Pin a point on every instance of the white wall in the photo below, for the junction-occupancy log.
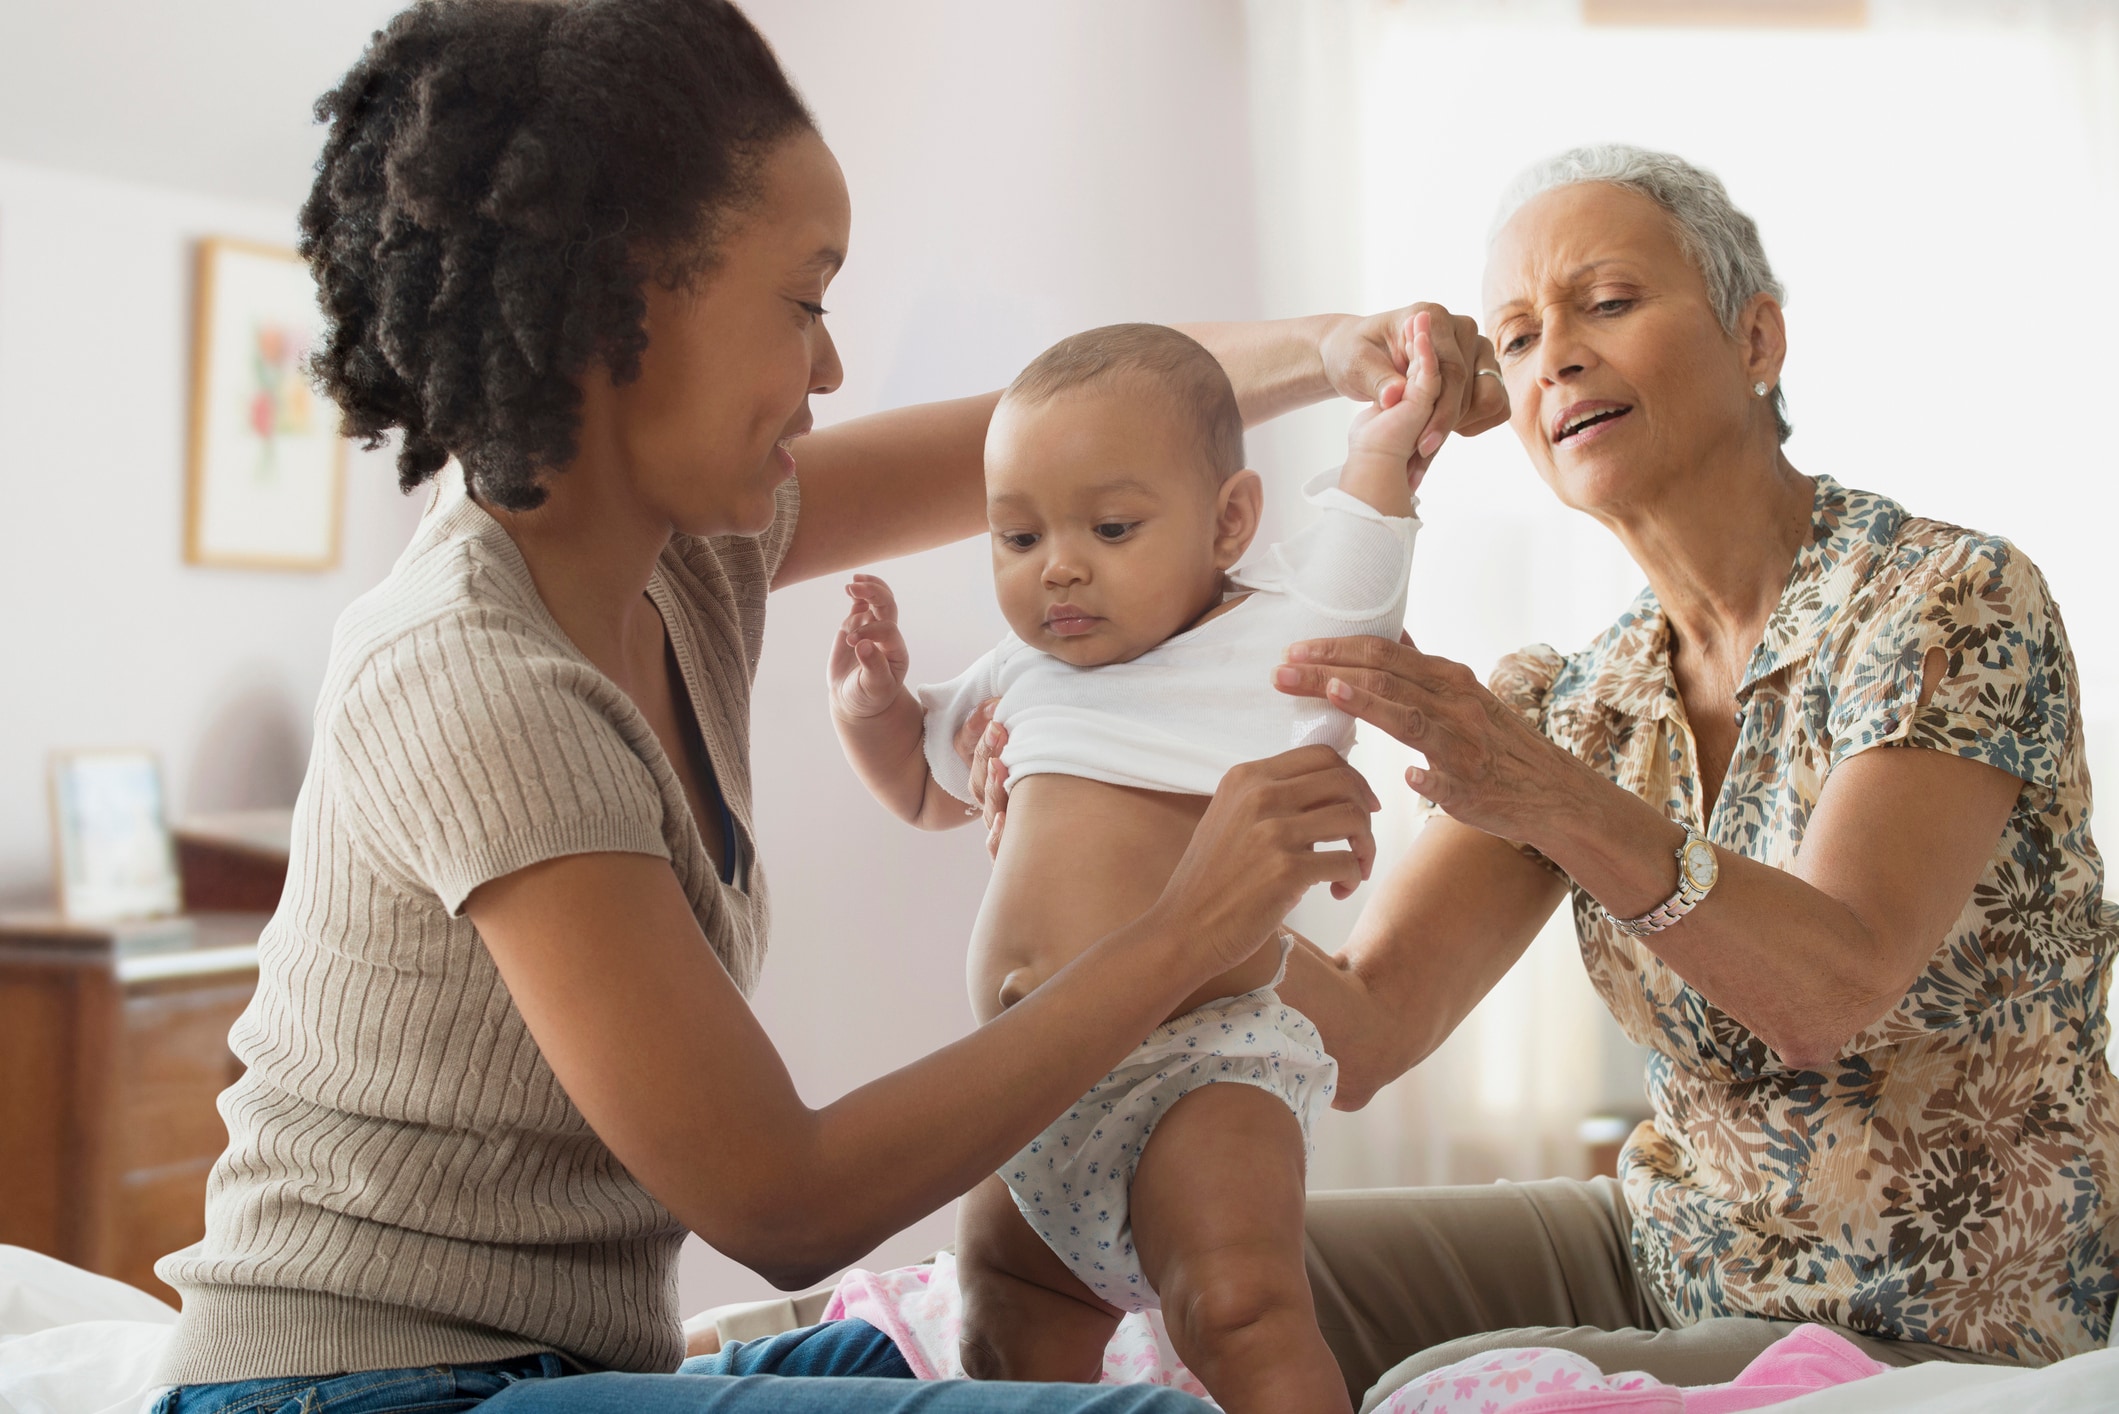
(106, 636)
(205, 95)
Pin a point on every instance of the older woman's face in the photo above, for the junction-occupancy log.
(1620, 378)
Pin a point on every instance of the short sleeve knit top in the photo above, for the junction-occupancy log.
(1953, 1175)
(405, 1182)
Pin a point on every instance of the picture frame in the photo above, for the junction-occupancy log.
(113, 857)
(1767, 14)
(266, 467)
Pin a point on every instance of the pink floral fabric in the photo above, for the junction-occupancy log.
(922, 1309)
(1544, 1381)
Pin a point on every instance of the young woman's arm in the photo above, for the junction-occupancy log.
(658, 1050)
(913, 478)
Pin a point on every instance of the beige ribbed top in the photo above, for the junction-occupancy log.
(405, 1182)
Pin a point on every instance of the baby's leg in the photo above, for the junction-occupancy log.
(1217, 1220)
(1026, 1317)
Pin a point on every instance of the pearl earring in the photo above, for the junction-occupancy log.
(1759, 387)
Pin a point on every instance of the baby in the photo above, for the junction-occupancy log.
(1138, 671)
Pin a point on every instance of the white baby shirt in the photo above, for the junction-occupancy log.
(1180, 715)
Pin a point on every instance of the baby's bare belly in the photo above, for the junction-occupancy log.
(1080, 859)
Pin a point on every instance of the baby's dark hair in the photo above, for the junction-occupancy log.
(1158, 357)
(500, 180)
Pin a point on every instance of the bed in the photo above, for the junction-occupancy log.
(72, 1342)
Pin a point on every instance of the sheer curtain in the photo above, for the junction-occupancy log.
(1939, 190)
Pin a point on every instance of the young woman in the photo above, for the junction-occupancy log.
(500, 1060)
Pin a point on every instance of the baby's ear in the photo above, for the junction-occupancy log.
(1237, 508)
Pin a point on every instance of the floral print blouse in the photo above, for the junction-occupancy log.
(1953, 1177)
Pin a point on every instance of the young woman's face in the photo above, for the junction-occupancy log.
(705, 433)
(1621, 380)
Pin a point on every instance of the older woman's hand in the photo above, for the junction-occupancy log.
(1366, 358)
(1486, 767)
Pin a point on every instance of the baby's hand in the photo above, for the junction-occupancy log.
(868, 657)
(1387, 436)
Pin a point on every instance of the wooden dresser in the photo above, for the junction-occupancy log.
(110, 1060)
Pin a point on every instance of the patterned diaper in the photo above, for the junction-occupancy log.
(1071, 1182)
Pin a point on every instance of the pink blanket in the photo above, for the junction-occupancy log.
(1544, 1381)
(920, 1309)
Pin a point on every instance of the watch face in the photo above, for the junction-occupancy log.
(1700, 864)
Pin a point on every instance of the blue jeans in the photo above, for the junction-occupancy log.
(840, 1367)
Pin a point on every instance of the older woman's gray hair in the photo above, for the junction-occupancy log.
(1721, 241)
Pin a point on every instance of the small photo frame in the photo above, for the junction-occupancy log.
(111, 846)
(266, 474)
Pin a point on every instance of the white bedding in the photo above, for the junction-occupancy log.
(72, 1342)
(2087, 1384)
(75, 1343)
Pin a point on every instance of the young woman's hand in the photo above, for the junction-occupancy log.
(980, 741)
(1254, 853)
(868, 657)
(1365, 358)
(1384, 464)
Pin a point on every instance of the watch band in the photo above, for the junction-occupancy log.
(1687, 898)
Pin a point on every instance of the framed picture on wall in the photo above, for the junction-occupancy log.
(265, 480)
(111, 847)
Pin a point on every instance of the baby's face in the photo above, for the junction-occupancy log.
(1109, 535)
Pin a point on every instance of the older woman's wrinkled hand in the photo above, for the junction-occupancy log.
(1486, 767)
(1366, 359)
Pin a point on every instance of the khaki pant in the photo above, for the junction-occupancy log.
(1409, 1280)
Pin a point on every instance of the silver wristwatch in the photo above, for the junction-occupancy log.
(1697, 871)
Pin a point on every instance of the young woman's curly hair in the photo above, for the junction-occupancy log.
(500, 180)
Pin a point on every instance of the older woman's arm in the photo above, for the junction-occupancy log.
(1438, 932)
(913, 478)
(1804, 958)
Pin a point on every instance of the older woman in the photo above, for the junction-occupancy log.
(1819, 800)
